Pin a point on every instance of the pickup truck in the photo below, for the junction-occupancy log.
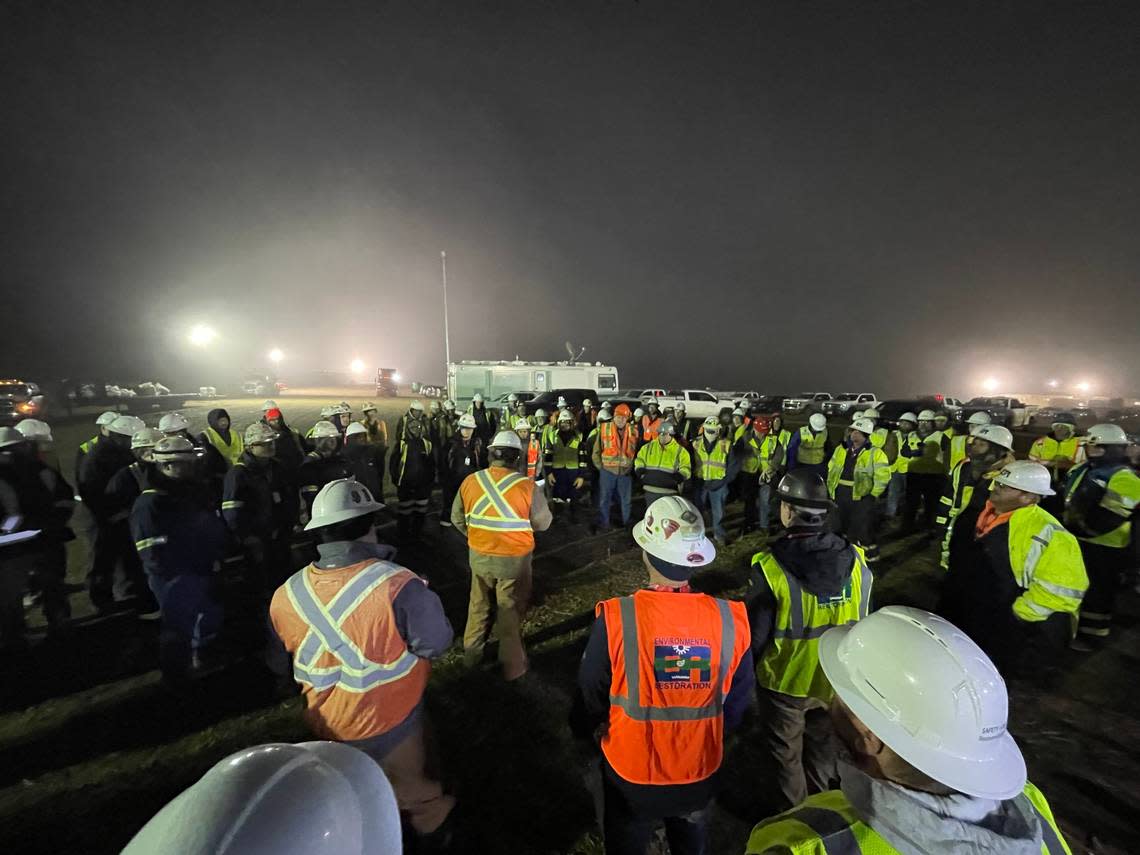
(849, 402)
(806, 401)
(20, 400)
(1009, 412)
(699, 404)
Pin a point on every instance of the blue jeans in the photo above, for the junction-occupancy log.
(896, 491)
(191, 617)
(764, 498)
(608, 483)
(715, 497)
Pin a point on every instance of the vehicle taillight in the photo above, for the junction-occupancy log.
(939, 398)
(26, 408)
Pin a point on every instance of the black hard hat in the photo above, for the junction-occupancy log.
(804, 489)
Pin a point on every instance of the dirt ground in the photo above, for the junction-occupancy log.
(91, 746)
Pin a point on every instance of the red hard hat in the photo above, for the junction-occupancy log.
(273, 413)
(762, 424)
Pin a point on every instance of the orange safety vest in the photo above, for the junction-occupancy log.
(356, 673)
(666, 723)
(533, 456)
(496, 502)
(650, 427)
(613, 453)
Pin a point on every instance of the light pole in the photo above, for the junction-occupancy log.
(446, 336)
(275, 356)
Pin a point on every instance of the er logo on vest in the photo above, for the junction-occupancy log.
(682, 663)
(837, 599)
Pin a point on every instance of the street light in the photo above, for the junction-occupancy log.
(275, 356)
(1084, 386)
(990, 384)
(357, 366)
(1053, 384)
(201, 335)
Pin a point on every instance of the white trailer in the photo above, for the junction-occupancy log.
(492, 379)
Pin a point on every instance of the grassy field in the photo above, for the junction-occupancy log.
(91, 746)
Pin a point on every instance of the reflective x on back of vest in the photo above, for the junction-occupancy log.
(354, 671)
(790, 664)
(494, 498)
(672, 658)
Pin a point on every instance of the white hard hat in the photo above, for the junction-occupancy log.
(931, 695)
(817, 422)
(864, 426)
(447, 405)
(324, 430)
(346, 406)
(173, 422)
(680, 405)
(106, 418)
(126, 425)
(512, 398)
(368, 407)
(267, 405)
(173, 448)
(638, 413)
(712, 423)
(607, 405)
(326, 412)
(565, 416)
(11, 436)
(260, 433)
(477, 398)
(586, 402)
(341, 410)
(855, 416)
(315, 798)
(561, 402)
(506, 439)
(979, 418)
(34, 429)
(340, 500)
(467, 421)
(872, 413)
(355, 428)
(674, 531)
(146, 438)
(738, 412)
(926, 416)
(540, 413)
(941, 415)
(416, 405)
(605, 414)
(521, 424)
(668, 428)
(1107, 434)
(995, 434)
(909, 417)
(1026, 475)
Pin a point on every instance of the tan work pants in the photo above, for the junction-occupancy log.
(510, 597)
(418, 792)
(799, 737)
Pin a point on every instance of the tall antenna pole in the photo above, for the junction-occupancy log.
(446, 335)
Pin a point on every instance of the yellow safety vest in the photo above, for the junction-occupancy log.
(1047, 564)
(1046, 449)
(812, 446)
(760, 454)
(790, 663)
(671, 459)
(1121, 494)
(901, 462)
(565, 456)
(710, 465)
(232, 451)
(871, 476)
(827, 824)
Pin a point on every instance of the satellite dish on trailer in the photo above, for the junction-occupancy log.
(570, 350)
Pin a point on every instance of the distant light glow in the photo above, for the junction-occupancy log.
(1084, 386)
(1053, 384)
(357, 366)
(201, 335)
(990, 384)
(396, 377)
(276, 355)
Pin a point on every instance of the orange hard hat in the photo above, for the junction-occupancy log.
(622, 410)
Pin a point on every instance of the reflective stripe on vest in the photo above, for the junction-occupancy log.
(355, 673)
(613, 454)
(631, 704)
(811, 450)
(712, 465)
(495, 495)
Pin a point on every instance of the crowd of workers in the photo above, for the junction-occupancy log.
(869, 745)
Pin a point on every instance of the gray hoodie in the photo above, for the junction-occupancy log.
(918, 823)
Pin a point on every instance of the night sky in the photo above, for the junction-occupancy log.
(896, 197)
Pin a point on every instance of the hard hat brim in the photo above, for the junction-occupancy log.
(704, 549)
(1049, 491)
(1000, 775)
(342, 516)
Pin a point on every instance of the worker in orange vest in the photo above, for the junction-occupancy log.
(613, 454)
(651, 422)
(361, 631)
(663, 712)
(499, 511)
(530, 461)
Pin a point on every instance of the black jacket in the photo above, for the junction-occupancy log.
(367, 465)
(96, 471)
(463, 458)
(258, 499)
(317, 471)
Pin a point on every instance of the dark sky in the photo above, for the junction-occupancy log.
(895, 196)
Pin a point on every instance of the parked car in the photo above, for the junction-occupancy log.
(548, 400)
(1009, 412)
(699, 404)
(889, 411)
(20, 399)
(768, 403)
(261, 384)
(848, 402)
(809, 401)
